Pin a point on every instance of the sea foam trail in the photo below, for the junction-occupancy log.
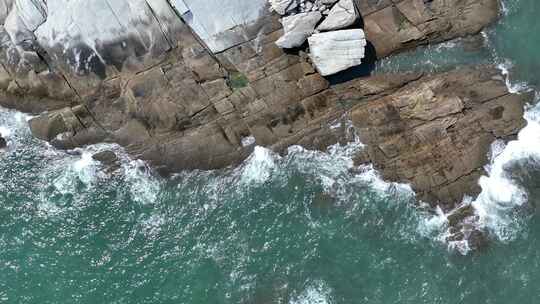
(333, 166)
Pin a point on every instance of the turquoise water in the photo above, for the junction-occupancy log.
(305, 228)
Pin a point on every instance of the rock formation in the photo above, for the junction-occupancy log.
(436, 132)
(185, 86)
(108, 159)
(299, 22)
(392, 26)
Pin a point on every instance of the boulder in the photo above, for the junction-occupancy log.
(297, 29)
(108, 159)
(333, 52)
(47, 126)
(105, 157)
(342, 15)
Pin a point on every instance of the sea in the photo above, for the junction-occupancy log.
(308, 227)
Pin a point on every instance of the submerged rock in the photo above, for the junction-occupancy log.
(333, 52)
(108, 159)
(297, 29)
(342, 15)
(3, 142)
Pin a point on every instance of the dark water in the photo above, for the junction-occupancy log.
(299, 229)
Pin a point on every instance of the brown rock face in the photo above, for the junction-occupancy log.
(180, 106)
(436, 132)
(394, 25)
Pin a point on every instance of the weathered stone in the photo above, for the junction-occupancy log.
(47, 126)
(297, 29)
(149, 83)
(332, 52)
(423, 135)
(342, 15)
(222, 24)
(393, 27)
(282, 6)
(108, 159)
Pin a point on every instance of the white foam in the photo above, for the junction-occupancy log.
(434, 226)
(316, 293)
(72, 169)
(499, 193)
(513, 87)
(370, 176)
(143, 186)
(85, 167)
(259, 166)
(5, 131)
(151, 226)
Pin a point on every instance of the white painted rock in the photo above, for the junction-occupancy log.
(342, 15)
(333, 52)
(297, 29)
(282, 6)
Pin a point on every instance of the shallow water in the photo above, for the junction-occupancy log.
(304, 228)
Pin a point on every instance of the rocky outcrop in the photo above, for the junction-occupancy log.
(435, 133)
(108, 160)
(396, 25)
(153, 82)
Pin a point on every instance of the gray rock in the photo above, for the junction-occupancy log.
(342, 15)
(222, 24)
(297, 29)
(332, 52)
(105, 157)
(282, 6)
(108, 159)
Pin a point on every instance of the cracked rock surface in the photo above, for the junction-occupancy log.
(159, 90)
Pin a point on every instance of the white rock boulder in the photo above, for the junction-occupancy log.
(342, 15)
(333, 52)
(297, 29)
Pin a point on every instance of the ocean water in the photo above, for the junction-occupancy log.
(306, 228)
